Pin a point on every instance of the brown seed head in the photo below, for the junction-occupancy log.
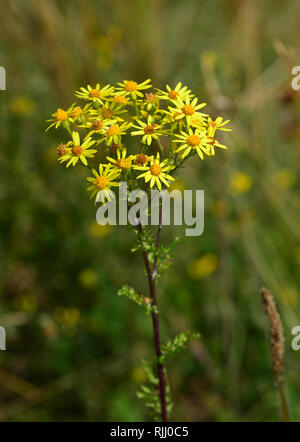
(275, 333)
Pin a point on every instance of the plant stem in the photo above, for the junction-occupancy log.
(155, 319)
(283, 402)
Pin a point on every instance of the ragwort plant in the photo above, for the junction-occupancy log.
(168, 128)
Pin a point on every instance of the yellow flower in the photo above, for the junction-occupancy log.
(114, 132)
(59, 117)
(219, 124)
(78, 151)
(285, 178)
(150, 131)
(289, 297)
(102, 182)
(189, 109)
(67, 316)
(98, 126)
(240, 183)
(155, 172)
(112, 110)
(100, 231)
(141, 159)
(179, 91)
(214, 143)
(122, 162)
(88, 278)
(204, 266)
(96, 94)
(132, 88)
(22, 106)
(194, 140)
(121, 100)
(177, 185)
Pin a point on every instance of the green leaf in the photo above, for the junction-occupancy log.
(179, 343)
(138, 298)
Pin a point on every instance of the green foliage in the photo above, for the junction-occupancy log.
(138, 298)
(150, 392)
(165, 257)
(178, 344)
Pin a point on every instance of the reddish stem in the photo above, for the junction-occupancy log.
(155, 319)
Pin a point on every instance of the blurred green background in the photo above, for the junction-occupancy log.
(73, 345)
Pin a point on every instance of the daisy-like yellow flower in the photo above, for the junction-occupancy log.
(120, 99)
(189, 109)
(115, 131)
(219, 124)
(132, 88)
(122, 162)
(96, 94)
(112, 110)
(98, 126)
(60, 116)
(81, 113)
(155, 172)
(151, 102)
(102, 181)
(214, 143)
(149, 130)
(78, 151)
(193, 140)
(141, 159)
(174, 94)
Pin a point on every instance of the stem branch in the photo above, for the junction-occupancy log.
(155, 318)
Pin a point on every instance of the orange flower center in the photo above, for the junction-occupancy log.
(131, 86)
(155, 169)
(61, 115)
(113, 130)
(150, 97)
(101, 182)
(97, 124)
(188, 109)
(120, 99)
(193, 140)
(106, 113)
(95, 93)
(77, 112)
(150, 129)
(173, 95)
(123, 163)
(213, 124)
(77, 150)
(141, 159)
(61, 150)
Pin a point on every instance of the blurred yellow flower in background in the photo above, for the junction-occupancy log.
(289, 297)
(22, 106)
(177, 185)
(88, 278)
(67, 316)
(240, 183)
(202, 267)
(285, 178)
(100, 231)
(26, 302)
(138, 374)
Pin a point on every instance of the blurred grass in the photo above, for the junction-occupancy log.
(73, 345)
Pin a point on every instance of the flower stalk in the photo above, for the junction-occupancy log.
(151, 274)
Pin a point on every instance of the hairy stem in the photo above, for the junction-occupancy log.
(155, 319)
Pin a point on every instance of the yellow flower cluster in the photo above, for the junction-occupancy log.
(168, 127)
